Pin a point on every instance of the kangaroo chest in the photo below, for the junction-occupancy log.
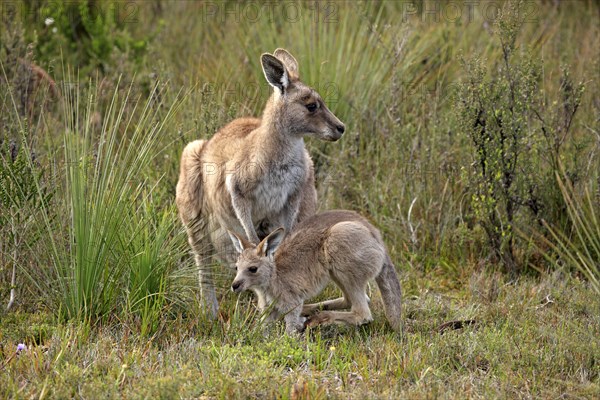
(275, 186)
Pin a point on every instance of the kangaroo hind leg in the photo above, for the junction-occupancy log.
(359, 312)
(336, 304)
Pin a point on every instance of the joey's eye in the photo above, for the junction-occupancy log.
(253, 270)
(312, 107)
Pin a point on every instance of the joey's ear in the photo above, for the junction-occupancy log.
(289, 61)
(268, 246)
(238, 242)
(275, 72)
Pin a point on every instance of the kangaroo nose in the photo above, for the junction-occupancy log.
(235, 286)
(340, 128)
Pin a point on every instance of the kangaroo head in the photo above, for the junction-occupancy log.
(297, 108)
(255, 263)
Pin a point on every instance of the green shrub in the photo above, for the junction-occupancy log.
(516, 139)
(23, 192)
(90, 34)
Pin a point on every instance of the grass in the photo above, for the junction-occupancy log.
(533, 338)
(582, 251)
(106, 291)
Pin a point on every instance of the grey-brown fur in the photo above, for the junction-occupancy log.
(339, 246)
(254, 174)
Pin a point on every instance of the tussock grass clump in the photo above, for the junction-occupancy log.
(578, 249)
(109, 252)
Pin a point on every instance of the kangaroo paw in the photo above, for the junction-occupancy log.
(319, 318)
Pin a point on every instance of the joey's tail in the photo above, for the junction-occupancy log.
(391, 293)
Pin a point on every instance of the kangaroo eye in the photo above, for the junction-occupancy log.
(311, 107)
(253, 270)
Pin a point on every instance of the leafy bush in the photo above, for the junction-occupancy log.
(514, 147)
(22, 194)
(89, 34)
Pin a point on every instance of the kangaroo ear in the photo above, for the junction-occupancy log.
(238, 242)
(269, 245)
(275, 72)
(289, 61)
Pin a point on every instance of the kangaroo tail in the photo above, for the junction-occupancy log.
(191, 164)
(391, 293)
(189, 187)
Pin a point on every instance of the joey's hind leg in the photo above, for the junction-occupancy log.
(335, 304)
(359, 313)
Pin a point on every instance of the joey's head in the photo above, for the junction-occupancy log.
(297, 108)
(255, 264)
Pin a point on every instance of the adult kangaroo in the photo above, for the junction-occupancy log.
(253, 175)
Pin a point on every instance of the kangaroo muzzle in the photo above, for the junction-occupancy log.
(237, 286)
(336, 127)
(338, 132)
